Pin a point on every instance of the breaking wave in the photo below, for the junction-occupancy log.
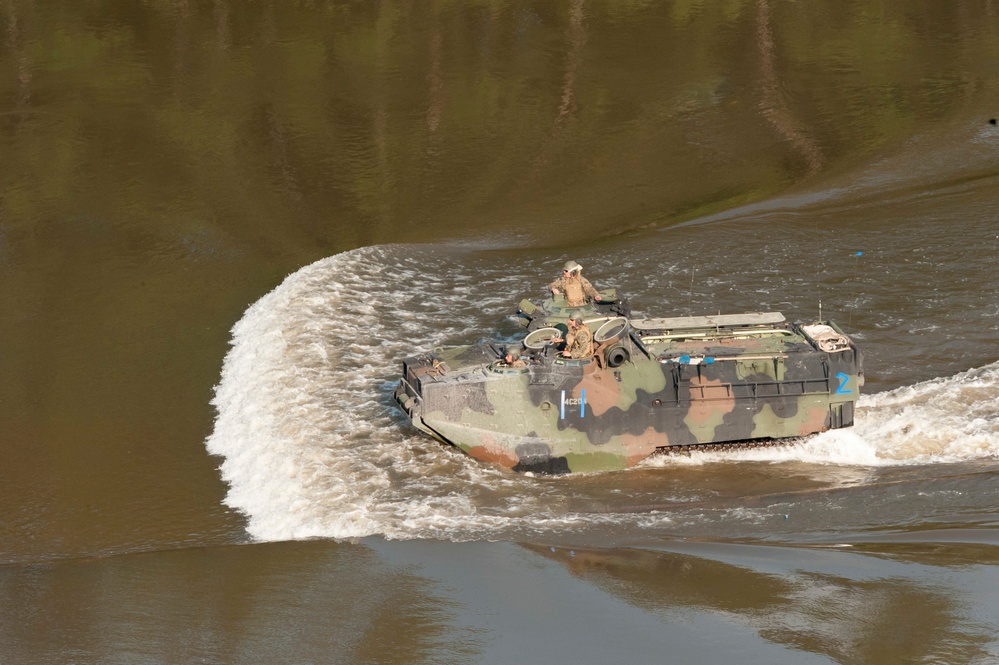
(313, 447)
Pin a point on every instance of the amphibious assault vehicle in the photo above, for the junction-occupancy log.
(669, 384)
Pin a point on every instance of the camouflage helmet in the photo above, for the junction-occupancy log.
(572, 266)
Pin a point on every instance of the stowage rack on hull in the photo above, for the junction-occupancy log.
(652, 383)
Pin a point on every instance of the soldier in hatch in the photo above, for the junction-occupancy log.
(510, 360)
(575, 286)
(579, 341)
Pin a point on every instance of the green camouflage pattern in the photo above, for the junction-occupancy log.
(652, 384)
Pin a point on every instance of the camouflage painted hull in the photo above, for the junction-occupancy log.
(653, 383)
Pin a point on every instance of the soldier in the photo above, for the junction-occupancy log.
(510, 361)
(579, 341)
(575, 286)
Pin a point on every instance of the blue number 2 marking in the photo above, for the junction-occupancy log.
(842, 390)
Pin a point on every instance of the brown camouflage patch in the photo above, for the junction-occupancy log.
(602, 393)
(492, 452)
(709, 399)
(814, 421)
(641, 446)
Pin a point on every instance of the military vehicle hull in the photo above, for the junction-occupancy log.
(652, 384)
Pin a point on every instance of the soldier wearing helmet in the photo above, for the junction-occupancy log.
(575, 286)
(511, 360)
(579, 341)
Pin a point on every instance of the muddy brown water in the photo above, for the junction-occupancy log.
(223, 224)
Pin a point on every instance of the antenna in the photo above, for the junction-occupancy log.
(856, 278)
(690, 293)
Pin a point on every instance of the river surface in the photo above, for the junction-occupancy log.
(223, 225)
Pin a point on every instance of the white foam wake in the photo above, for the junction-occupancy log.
(950, 419)
(278, 408)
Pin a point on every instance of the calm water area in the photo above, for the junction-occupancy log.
(223, 225)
